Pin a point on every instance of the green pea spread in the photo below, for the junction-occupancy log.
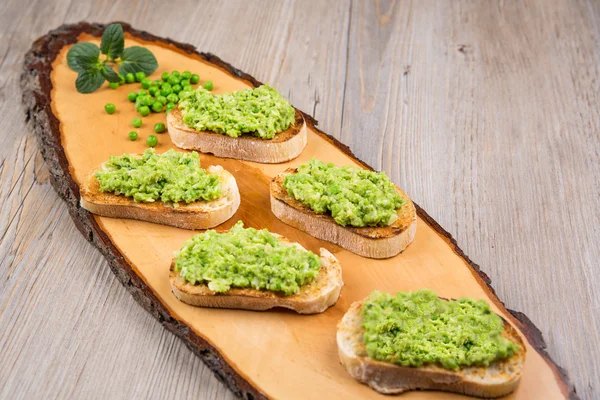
(261, 112)
(246, 258)
(353, 196)
(414, 329)
(169, 177)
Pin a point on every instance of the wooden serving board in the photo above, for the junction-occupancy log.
(275, 354)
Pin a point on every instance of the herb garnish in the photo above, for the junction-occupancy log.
(85, 59)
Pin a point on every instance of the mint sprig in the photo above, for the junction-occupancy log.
(94, 70)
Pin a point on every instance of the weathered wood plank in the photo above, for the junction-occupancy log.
(500, 101)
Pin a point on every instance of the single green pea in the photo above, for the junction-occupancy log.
(157, 106)
(121, 79)
(188, 88)
(194, 79)
(159, 128)
(165, 76)
(186, 74)
(152, 141)
(144, 111)
(113, 85)
(130, 77)
(172, 98)
(170, 106)
(184, 92)
(175, 73)
(146, 83)
(177, 88)
(165, 85)
(139, 76)
(148, 101)
(157, 82)
(153, 91)
(166, 91)
(136, 122)
(208, 85)
(161, 99)
(132, 96)
(184, 82)
(133, 135)
(142, 92)
(110, 108)
(174, 80)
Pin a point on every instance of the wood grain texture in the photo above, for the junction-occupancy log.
(500, 100)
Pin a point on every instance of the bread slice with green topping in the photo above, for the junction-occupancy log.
(256, 270)
(195, 215)
(373, 242)
(498, 379)
(285, 146)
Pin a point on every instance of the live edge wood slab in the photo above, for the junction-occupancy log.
(273, 354)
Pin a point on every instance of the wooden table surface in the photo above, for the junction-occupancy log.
(485, 112)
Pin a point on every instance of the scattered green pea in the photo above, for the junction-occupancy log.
(186, 74)
(142, 92)
(129, 77)
(144, 111)
(132, 96)
(133, 135)
(136, 122)
(177, 88)
(139, 76)
(159, 127)
(121, 79)
(113, 85)
(172, 98)
(110, 108)
(165, 76)
(194, 79)
(208, 85)
(146, 83)
(170, 106)
(184, 82)
(161, 99)
(157, 106)
(156, 82)
(152, 141)
(175, 73)
(174, 80)
(153, 91)
(188, 88)
(148, 101)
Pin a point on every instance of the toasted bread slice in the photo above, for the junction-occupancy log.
(315, 297)
(285, 146)
(498, 379)
(196, 215)
(372, 242)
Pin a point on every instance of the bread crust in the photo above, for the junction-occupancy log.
(285, 146)
(196, 215)
(498, 379)
(372, 242)
(315, 297)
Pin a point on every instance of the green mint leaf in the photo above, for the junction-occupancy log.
(135, 59)
(90, 80)
(109, 73)
(113, 41)
(82, 53)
